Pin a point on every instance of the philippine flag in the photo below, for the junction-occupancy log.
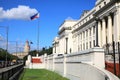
(34, 16)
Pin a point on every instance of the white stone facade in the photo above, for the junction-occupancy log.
(95, 28)
(85, 65)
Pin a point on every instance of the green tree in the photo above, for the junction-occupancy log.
(4, 54)
(46, 50)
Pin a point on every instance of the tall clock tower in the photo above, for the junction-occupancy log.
(27, 47)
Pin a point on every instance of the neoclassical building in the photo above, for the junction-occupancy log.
(95, 28)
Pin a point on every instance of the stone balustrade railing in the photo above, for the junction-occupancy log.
(85, 65)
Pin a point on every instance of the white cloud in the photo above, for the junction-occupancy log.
(21, 12)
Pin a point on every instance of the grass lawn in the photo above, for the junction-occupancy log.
(40, 74)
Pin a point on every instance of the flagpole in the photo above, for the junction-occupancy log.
(38, 38)
(32, 18)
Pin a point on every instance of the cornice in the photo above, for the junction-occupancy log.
(82, 26)
(98, 2)
(63, 29)
(104, 7)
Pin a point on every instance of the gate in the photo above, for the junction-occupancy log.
(112, 57)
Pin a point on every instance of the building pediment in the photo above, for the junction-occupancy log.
(63, 29)
(66, 25)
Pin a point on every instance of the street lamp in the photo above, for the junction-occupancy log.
(6, 41)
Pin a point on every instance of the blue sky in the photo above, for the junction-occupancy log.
(52, 14)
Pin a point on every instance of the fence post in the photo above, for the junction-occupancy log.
(2, 75)
(53, 62)
(64, 64)
(48, 62)
(119, 56)
(114, 57)
(99, 57)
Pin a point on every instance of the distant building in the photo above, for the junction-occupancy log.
(95, 28)
(26, 51)
(27, 47)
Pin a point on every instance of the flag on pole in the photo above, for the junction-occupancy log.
(34, 16)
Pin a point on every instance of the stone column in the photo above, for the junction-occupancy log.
(116, 25)
(78, 42)
(82, 41)
(92, 45)
(97, 45)
(85, 39)
(103, 32)
(76, 47)
(88, 39)
(118, 17)
(99, 33)
(109, 29)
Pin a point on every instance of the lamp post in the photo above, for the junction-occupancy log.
(6, 42)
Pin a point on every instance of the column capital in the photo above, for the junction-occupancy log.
(109, 16)
(103, 20)
(97, 19)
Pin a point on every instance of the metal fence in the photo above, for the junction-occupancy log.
(112, 57)
(11, 73)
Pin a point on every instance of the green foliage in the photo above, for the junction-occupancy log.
(25, 58)
(4, 53)
(42, 52)
(45, 50)
(40, 74)
(33, 53)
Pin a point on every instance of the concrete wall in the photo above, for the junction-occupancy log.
(86, 65)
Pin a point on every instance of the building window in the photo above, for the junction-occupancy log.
(87, 45)
(90, 31)
(90, 44)
(83, 46)
(86, 33)
(81, 36)
(78, 48)
(94, 30)
(94, 43)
